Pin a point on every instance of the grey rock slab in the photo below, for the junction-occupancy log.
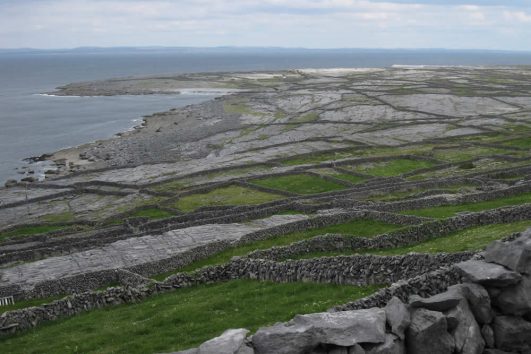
(232, 341)
(134, 251)
(398, 316)
(515, 255)
(478, 299)
(512, 333)
(428, 333)
(488, 274)
(283, 338)
(356, 349)
(346, 328)
(391, 345)
(488, 335)
(516, 300)
(440, 302)
(467, 333)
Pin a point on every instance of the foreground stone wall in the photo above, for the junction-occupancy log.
(353, 270)
(488, 313)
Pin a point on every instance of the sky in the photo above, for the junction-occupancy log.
(451, 24)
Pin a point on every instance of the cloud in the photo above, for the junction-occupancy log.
(300, 23)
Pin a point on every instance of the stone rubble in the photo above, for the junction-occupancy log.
(489, 313)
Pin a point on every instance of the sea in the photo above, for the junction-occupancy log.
(33, 123)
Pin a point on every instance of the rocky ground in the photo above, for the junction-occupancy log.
(385, 150)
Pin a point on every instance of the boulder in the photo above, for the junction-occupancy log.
(512, 333)
(283, 338)
(356, 349)
(488, 336)
(232, 341)
(478, 299)
(188, 351)
(10, 183)
(345, 328)
(516, 300)
(515, 255)
(305, 332)
(497, 351)
(440, 302)
(467, 333)
(427, 333)
(488, 274)
(398, 316)
(391, 345)
(338, 350)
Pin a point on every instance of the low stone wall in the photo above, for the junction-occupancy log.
(487, 313)
(355, 270)
(399, 238)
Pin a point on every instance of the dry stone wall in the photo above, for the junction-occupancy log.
(489, 312)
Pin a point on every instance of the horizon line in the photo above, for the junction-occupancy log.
(147, 47)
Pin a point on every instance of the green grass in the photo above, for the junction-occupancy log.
(169, 186)
(524, 143)
(31, 230)
(58, 218)
(450, 210)
(392, 168)
(29, 303)
(232, 195)
(183, 318)
(471, 239)
(152, 213)
(467, 153)
(360, 228)
(306, 118)
(349, 178)
(301, 184)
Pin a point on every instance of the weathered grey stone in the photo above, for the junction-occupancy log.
(497, 351)
(188, 351)
(338, 350)
(488, 274)
(356, 349)
(516, 300)
(440, 302)
(398, 316)
(488, 335)
(511, 333)
(345, 328)
(283, 338)
(427, 333)
(478, 299)
(232, 341)
(515, 255)
(392, 345)
(467, 334)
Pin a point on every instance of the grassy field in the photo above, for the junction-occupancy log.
(301, 184)
(524, 143)
(360, 228)
(31, 230)
(392, 167)
(471, 239)
(232, 195)
(451, 210)
(181, 319)
(152, 213)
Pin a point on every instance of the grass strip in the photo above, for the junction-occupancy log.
(183, 318)
(446, 211)
(359, 228)
(300, 184)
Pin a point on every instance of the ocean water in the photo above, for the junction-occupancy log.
(32, 124)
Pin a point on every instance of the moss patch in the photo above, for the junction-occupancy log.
(301, 184)
(392, 167)
(232, 195)
(152, 213)
(450, 210)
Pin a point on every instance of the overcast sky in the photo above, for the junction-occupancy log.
(461, 24)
